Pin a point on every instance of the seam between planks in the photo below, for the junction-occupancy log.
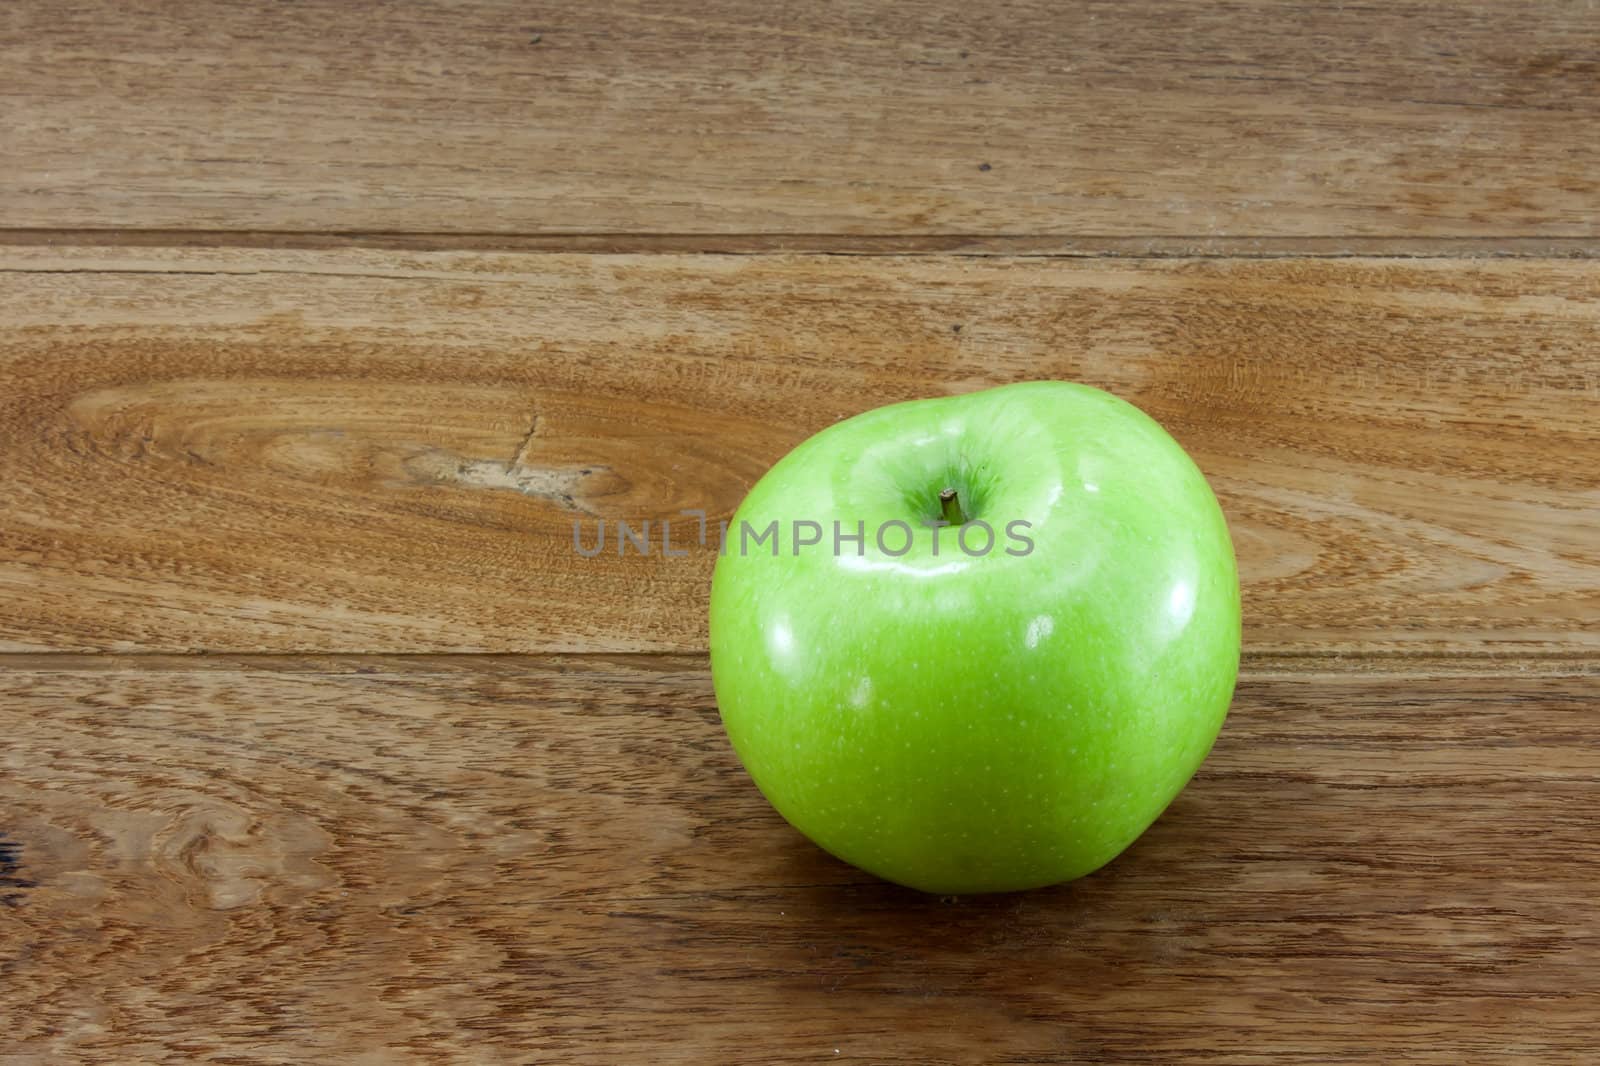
(1088, 246)
(1252, 665)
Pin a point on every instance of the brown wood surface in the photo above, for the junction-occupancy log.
(387, 451)
(480, 859)
(321, 322)
(1413, 118)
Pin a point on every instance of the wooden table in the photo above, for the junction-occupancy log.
(321, 323)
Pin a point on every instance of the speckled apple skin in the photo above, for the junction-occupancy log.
(992, 722)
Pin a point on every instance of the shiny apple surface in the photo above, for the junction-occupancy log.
(966, 720)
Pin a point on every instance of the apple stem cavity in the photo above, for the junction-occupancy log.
(950, 508)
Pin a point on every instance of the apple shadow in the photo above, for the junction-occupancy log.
(1170, 902)
(1177, 839)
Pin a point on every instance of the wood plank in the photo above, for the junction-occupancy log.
(559, 860)
(730, 116)
(384, 451)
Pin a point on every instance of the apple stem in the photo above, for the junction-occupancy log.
(950, 507)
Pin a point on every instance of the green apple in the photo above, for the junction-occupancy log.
(967, 712)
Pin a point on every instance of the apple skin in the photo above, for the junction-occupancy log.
(984, 723)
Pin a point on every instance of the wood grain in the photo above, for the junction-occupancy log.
(322, 323)
(558, 860)
(387, 451)
(731, 116)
